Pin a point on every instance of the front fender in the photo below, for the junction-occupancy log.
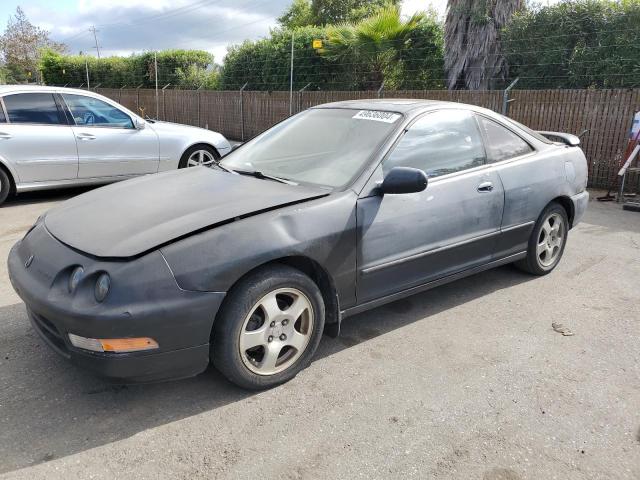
(323, 230)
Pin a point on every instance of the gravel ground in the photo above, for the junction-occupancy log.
(466, 381)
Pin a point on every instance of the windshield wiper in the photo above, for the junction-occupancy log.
(262, 176)
(226, 169)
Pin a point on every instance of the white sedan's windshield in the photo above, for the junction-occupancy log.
(325, 146)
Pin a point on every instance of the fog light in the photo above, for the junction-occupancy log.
(102, 287)
(115, 345)
(75, 278)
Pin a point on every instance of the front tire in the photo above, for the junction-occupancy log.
(268, 328)
(547, 241)
(199, 155)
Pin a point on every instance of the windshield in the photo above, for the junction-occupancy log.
(325, 146)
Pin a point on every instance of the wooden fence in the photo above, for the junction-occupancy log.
(607, 114)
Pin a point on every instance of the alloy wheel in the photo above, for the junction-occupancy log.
(276, 331)
(201, 157)
(550, 240)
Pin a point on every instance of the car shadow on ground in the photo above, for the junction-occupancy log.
(44, 196)
(51, 409)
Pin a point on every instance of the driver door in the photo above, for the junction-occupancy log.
(109, 145)
(407, 240)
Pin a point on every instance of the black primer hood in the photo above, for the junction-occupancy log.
(128, 218)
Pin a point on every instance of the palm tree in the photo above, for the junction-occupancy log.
(473, 50)
(372, 45)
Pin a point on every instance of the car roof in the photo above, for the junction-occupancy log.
(39, 88)
(400, 105)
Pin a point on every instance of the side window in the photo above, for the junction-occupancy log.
(38, 108)
(502, 144)
(442, 142)
(89, 111)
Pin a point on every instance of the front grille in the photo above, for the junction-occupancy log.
(49, 332)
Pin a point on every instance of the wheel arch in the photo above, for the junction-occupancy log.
(567, 204)
(201, 144)
(319, 275)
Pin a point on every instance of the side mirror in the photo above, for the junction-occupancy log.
(404, 180)
(139, 123)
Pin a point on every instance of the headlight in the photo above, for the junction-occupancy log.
(74, 279)
(102, 286)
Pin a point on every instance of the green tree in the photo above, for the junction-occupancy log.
(298, 14)
(181, 68)
(265, 64)
(303, 13)
(21, 46)
(473, 49)
(374, 46)
(575, 44)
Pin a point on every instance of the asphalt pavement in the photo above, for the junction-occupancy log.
(466, 381)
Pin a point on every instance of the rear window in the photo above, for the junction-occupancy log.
(37, 108)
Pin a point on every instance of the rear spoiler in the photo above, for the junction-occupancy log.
(566, 138)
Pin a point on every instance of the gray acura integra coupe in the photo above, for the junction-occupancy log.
(334, 211)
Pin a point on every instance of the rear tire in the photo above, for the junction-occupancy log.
(197, 155)
(268, 327)
(547, 241)
(6, 186)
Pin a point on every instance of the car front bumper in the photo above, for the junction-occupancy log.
(145, 301)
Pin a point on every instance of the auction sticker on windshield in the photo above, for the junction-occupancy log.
(377, 116)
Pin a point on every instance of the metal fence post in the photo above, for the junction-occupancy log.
(291, 77)
(242, 111)
(120, 93)
(164, 103)
(300, 95)
(138, 97)
(199, 100)
(505, 97)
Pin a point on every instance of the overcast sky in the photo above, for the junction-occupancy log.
(126, 26)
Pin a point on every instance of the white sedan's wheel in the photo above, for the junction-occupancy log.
(202, 158)
(5, 186)
(199, 155)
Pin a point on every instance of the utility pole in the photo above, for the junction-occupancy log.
(95, 37)
(155, 61)
(86, 66)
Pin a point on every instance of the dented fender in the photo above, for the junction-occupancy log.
(322, 230)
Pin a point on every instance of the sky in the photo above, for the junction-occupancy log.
(127, 26)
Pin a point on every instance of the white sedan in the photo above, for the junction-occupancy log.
(56, 137)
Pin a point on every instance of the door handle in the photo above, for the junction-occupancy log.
(485, 187)
(85, 136)
(5, 136)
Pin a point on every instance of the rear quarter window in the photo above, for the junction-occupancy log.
(39, 108)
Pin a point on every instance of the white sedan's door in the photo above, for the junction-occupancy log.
(36, 139)
(109, 145)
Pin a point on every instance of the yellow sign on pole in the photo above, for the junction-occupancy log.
(317, 44)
